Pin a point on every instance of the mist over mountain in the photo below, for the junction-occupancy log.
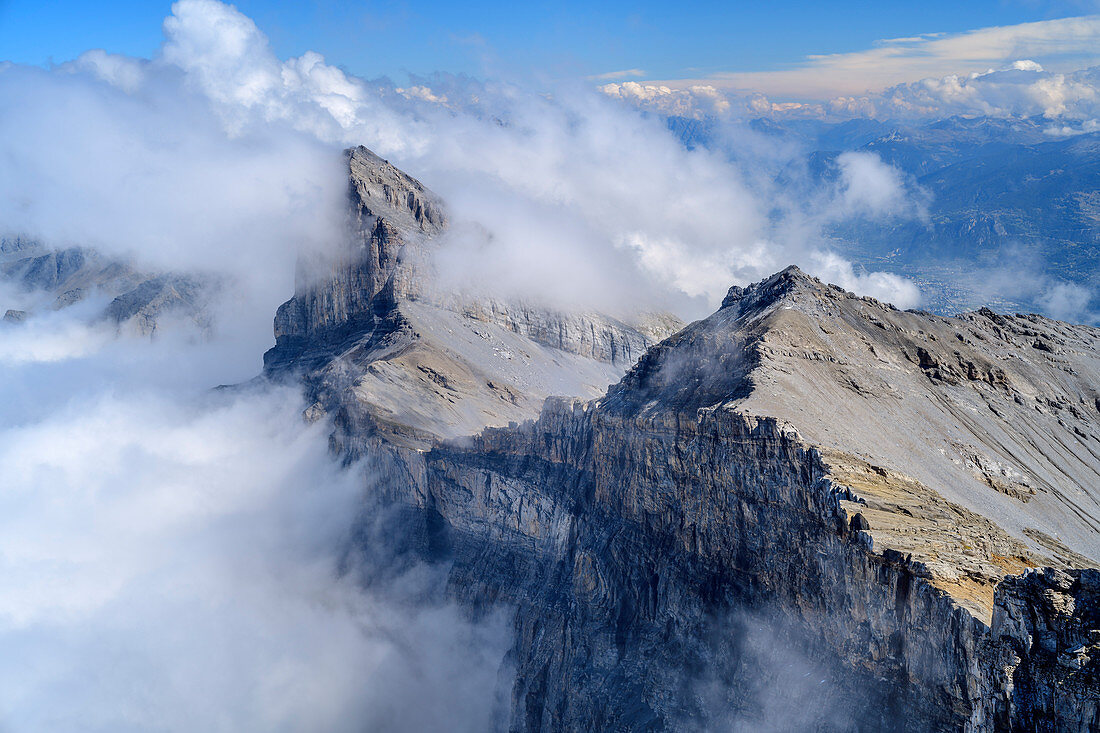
(1011, 208)
(538, 403)
(1007, 195)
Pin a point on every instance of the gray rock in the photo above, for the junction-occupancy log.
(142, 307)
(806, 480)
(390, 354)
(140, 299)
(386, 261)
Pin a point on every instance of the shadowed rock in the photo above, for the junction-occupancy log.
(806, 480)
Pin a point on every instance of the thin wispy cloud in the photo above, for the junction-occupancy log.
(1062, 44)
(616, 75)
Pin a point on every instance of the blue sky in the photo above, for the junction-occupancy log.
(663, 41)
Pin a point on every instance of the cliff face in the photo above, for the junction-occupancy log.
(389, 216)
(809, 511)
(648, 531)
(387, 352)
(386, 262)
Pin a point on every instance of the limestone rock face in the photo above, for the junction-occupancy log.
(671, 502)
(385, 263)
(389, 214)
(984, 418)
(389, 352)
(144, 306)
(809, 511)
(1046, 651)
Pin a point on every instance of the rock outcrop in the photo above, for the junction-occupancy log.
(388, 352)
(809, 511)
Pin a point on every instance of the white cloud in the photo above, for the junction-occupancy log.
(171, 556)
(37, 342)
(120, 71)
(171, 566)
(1068, 130)
(870, 187)
(422, 92)
(1022, 88)
(1068, 302)
(1021, 70)
(696, 101)
(1020, 274)
(1061, 43)
(613, 75)
(881, 285)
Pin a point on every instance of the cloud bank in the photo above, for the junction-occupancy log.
(171, 566)
(175, 558)
(217, 155)
(1061, 43)
(1070, 101)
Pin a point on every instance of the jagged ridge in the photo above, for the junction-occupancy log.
(846, 469)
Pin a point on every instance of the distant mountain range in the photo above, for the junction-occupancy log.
(1013, 210)
(132, 300)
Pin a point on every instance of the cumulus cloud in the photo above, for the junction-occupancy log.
(881, 285)
(696, 101)
(578, 200)
(873, 188)
(152, 178)
(1003, 71)
(1022, 88)
(176, 558)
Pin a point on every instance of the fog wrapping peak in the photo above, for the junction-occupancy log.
(218, 155)
(170, 554)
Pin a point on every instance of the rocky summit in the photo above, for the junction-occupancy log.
(808, 511)
(390, 354)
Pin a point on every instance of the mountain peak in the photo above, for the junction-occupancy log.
(380, 190)
(789, 281)
(427, 362)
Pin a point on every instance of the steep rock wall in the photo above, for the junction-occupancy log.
(646, 531)
(644, 554)
(393, 225)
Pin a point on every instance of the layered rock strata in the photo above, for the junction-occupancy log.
(388, 351)
(809, 511)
